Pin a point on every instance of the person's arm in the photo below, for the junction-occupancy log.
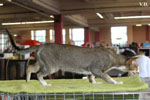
(148, 66)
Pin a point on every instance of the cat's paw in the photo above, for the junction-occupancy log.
(119, 82)
(96, 82)
(47, 85)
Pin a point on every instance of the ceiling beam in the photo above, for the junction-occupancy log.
(74, 4)
(114, 24)
(104, 10)
(97, 23)
(77, 19)
(48, 4)
(12, 9)
(27, 5)
(94, 28)
(86, 0)
(28, 26)
(18, 15)
(108, 16)
(119, 20)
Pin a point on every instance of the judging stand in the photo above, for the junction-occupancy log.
(3, 57)
(13, 66)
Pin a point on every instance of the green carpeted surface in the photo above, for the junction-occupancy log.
(71, 85)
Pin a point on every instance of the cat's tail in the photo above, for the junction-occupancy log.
(19, 50)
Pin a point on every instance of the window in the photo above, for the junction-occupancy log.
(119, 35)
(78, 36)
(64, 36)
(70, 34)
(32, 35)
(3, 42)
(39, 35)
(52, 35)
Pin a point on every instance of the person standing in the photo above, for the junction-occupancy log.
(144, 72)
(143, 67)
